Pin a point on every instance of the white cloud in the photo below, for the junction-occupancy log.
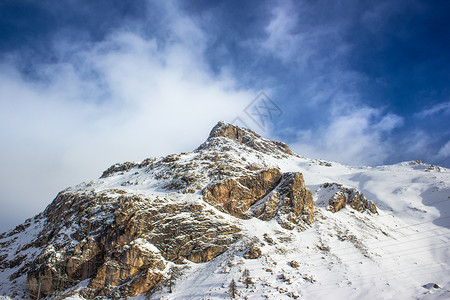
(281, 41)
(443, 108)
(294, 39)
(125, 98)
(354, 137)
(444, 152)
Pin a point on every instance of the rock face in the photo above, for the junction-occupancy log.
(235, 196)
(135, 270)
(268, 193)
(248, 138)
(349, 196)
(291, 203)
(360, 203)
(338, 201)
(124, 249)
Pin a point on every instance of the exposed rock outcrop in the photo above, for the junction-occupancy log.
(338, 201)
(252, 253)
(360, 203)
(291, 203)
(247, 137)
(118, 168)
(349, 196)
(236, 195)
(124, 249)
(136, 270)
(271, 193)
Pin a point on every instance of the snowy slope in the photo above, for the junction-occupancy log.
(399, 254)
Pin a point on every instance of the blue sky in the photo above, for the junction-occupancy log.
(85, 84)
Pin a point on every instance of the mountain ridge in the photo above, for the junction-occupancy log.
(123, 234)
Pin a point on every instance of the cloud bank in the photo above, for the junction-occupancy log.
(126, 97)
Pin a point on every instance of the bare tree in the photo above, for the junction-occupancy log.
(171, 279)
(246, 273)
(246, 279)
(232, 291)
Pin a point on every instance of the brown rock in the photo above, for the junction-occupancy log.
(252, 253)
(294, 264)
(125, 255)
(144, 283)
(352, 197)
(291, 203)
(82, 264)
(134, 265)
(247, 137)
(44, 280)
(270, 208)
(358, 202)
(337, 202)
(118, 168)
(268, 239)
(235, 196)
(207, 253)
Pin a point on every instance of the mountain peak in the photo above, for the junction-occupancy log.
(246, 137)
(231, 131)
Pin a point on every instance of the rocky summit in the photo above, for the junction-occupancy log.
(146, 228)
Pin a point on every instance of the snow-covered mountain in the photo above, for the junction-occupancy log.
(244, 209)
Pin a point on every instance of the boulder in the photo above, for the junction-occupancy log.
(252, 253)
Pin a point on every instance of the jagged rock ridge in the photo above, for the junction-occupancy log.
(248, 138)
